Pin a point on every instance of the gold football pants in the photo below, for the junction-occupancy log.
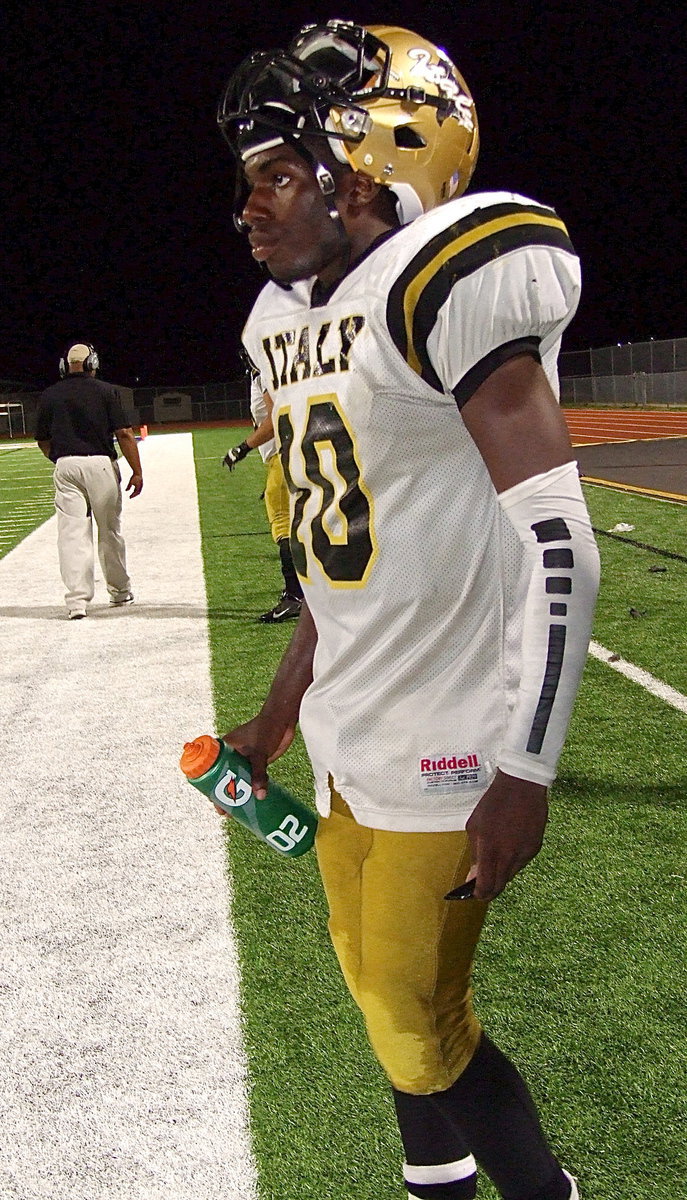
(277, 499)
(405, 952)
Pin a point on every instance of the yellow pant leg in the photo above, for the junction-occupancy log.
(406, 953)
(277, 499)
(341, 847)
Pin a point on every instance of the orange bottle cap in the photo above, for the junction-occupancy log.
(199, 756)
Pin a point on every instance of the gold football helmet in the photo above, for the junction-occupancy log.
(389, 103)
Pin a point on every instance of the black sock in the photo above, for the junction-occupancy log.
(429, 1140)
(495, 1114)
(292, 583)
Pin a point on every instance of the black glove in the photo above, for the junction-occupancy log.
(232, 457)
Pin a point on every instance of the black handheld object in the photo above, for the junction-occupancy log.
(464, 892)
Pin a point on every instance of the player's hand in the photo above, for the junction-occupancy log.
(135, 485)
(260, 741)
(506, 831)
(234, 456)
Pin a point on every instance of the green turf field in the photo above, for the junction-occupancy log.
(643, 598)
(26, 492)
(581, 974)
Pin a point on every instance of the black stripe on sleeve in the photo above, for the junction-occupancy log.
(559, 585)
(562, 557)
(552, 674)
(495, 358)
(437, 290)
(553, 530)
(455, 266)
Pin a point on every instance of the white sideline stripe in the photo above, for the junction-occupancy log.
(121, 1057)
(16, 486)
(25, 512)
(637, 675)
(440, 1172)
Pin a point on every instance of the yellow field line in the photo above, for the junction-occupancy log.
(664, 437)
(628, 487)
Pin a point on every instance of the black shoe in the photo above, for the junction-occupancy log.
(121, 598)
(286, 608)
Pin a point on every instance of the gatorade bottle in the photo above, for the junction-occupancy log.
(224, 776)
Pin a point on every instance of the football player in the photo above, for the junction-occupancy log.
(408, 338)
(288, 606)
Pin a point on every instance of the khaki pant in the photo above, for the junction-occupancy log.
(405, 952)
(88, 486)
(277, 499)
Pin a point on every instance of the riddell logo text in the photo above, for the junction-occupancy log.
(449, 764)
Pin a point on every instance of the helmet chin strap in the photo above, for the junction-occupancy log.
(327, 186)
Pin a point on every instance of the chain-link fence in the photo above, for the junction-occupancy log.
(637, 373)
(194, 404)
(200, 404)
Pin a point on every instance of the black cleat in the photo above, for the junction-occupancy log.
(286, 609)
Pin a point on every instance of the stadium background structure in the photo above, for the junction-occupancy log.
(640, 374)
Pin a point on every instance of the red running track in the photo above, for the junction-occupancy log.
(589, 425)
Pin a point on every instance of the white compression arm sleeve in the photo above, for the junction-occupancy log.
(551, 519)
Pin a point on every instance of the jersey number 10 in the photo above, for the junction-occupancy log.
(340, 531)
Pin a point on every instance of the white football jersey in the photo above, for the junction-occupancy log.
(414, 576)
(258, 411)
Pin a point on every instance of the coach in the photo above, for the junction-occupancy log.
(77, 419)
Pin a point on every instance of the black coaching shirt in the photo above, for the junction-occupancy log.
(79, 415)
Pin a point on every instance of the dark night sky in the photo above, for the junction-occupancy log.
(117, 204)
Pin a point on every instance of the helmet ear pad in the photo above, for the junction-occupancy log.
(360, 190)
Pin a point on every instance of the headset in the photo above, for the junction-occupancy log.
(91, 363)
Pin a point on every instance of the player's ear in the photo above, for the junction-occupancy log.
(362, 190)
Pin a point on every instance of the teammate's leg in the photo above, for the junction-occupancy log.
(292, 584)
(74, 534)
(277, 506)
